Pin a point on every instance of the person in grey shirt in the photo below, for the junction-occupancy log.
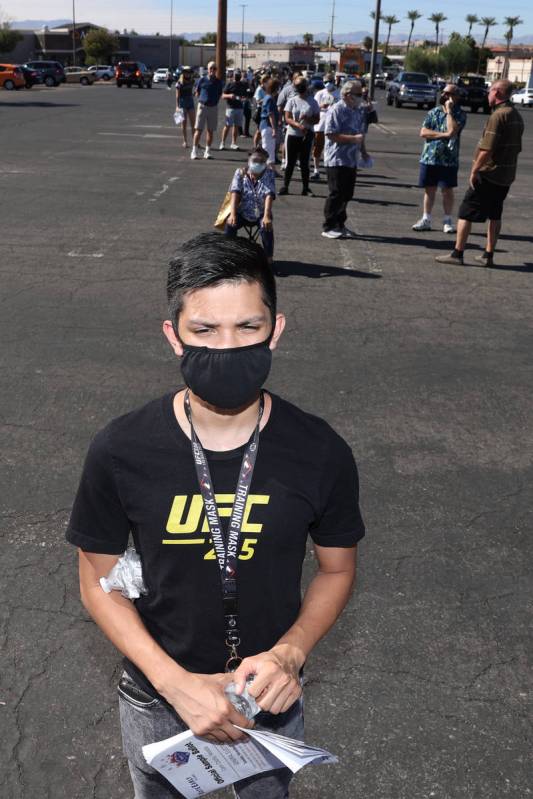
(301, 114)
(284, 96)
(345, 138)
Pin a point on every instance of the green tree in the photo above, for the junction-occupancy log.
(259, 38)
(437, 19)
(459, 55)
(99, 45)
(308, 38)
(209, 38)
(488, 22)
(389, 20)
(367, 43)
(9, 38)
(412, 16)
(472, 19)
(423, 59)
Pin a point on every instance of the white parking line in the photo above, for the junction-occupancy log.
(166, 186)
(76, 254)
(138, 135)
(385, 129)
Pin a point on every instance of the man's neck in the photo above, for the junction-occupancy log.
(220, 429)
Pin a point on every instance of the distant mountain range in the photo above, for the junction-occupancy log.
(339, 38)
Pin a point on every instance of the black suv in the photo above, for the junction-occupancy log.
(128, 73)
(411, 87)
(473, 92)
(51, 73)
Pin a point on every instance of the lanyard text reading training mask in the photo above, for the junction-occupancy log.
(226, 547)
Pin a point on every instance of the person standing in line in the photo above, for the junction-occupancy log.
(185, 100)
(325, 98)
(439, 162)
(161, 472)
(259, 96)
(234, 93)
(345, 128)
(252, 193)
(301, 113)
(270, 121)
(208, 91)
(287, 91)
(492, 173)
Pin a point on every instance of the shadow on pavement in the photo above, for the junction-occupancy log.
(367, 201)
(504, 236)
(287, 268)
(410, 241)
(37, 104)
(527, 267)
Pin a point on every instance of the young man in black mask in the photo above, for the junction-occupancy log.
(219, 483)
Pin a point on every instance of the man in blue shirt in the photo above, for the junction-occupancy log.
(345, 138)
(439, 162)
(208, 91)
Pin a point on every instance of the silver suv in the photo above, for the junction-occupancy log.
(411, 87)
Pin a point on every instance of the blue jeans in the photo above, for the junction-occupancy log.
(267, 236)
(144, 720)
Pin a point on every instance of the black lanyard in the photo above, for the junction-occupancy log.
(226, 547)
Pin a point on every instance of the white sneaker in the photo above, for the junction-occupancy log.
(448, 228)
(234, 147)
(315, 176)
(348, 234)
(422, 224)
(332, 234)
(207, 153)
(221, 146)
(194, 154)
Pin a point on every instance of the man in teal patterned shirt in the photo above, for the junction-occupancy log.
(439, 162)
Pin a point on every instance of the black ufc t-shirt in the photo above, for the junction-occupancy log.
(139, 478)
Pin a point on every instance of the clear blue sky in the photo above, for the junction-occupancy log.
(270, 18)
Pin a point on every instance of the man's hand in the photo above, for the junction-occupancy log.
(267, 222)
(274, 132)
(200, 701)
(358, 138)
(448, 105)
(276, 685)
(232, 218)
(474, 178)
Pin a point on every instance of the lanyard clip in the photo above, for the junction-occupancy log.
(234, 661)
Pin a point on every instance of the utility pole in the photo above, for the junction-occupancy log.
(331, 31)
(375, 42)
(222, 32)
(73, 33)
(170, 40)
(243, 6)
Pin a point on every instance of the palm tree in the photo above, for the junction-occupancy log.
(412, 16)
(511, 23)
(437, 18)
(390, 20)
(308, 38)
(472, 19)
(488, 22)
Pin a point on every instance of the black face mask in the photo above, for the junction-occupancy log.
(226, 378)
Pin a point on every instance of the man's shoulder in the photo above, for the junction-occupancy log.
(300, 425)
(133, 426)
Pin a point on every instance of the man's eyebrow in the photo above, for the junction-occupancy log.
(249, 321)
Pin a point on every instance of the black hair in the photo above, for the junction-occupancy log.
(210, 259)
(258, 151)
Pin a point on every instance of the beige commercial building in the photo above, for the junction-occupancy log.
(259, 55)
(520, 69)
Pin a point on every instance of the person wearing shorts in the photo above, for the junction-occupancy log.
(493, 171)
(234, 94)
(185, 100)
(439, 162)
(208, 91)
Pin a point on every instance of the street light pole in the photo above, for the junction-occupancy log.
(73, 33)
(243, 6)
(331, 32)
(170, 40)
(375, 42)
(222, 28)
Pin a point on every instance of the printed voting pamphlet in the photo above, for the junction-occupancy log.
(196, 767)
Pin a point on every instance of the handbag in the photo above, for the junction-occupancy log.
(225, 209)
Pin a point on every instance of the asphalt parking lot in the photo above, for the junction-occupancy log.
(424, 687)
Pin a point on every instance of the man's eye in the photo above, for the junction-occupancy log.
(202, 330)
(249, 327)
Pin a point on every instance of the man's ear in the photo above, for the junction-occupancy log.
(171, 337)
(279, 327)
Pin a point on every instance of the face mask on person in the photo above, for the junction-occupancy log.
(226, 378)
(256, 167)
(330, 86)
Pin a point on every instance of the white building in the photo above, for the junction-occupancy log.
(520, 69)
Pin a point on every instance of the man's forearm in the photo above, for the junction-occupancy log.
(480, 159)
(119, 620)
(324, 601)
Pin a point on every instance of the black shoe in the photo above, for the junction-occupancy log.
(283, 190)
(307, 193)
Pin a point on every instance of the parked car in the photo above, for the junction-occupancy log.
(411, 87)
(11, 76)
(79, 75)
(129, 73)
(523, 97)
(103, 72)
(31, 76)
(472, 92)
(161, 75)
(51, 73)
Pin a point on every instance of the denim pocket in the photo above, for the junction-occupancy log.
(134, 694)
